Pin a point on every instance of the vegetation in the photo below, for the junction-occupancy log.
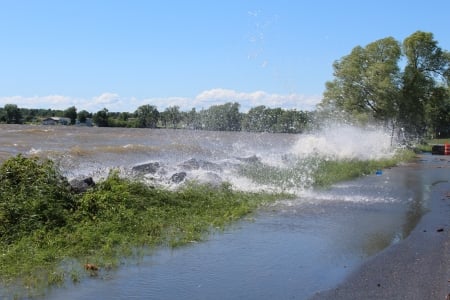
(319, 172)
(426, 146)
(47, 233)
(225, 117)
(370, 85)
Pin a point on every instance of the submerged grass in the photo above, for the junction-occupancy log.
(319, 172)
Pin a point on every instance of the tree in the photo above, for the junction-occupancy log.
(192, 119)
(224, 117)
(173, 115)
(437, 113)
(83, 116)
(369, 84)
(71, 113)
(147, 116)
(101, 118)
(13, 114)
(256, 119)
(366, 81)
(427, 70)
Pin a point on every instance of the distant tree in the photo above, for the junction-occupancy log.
(71, 113)
(255, 119)
(83, 116)
(173, 115)
(224, 117)
(13, 114)
(101, 118)
(192, 119)
(147, 116)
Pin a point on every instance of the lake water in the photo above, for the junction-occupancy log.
(290, 250)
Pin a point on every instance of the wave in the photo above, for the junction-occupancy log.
(345, 142)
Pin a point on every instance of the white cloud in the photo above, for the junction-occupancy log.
(252, 99)
(51, 101)
(205, 99)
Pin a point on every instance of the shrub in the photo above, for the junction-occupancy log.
(33, 195)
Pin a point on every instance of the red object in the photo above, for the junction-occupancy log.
(446, 149)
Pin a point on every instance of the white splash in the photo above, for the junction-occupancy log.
(345, 142)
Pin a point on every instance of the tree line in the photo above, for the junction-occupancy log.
(225, 117)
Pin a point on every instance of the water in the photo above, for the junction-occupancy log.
(289, 250)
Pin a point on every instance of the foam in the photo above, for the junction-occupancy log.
(345, 142)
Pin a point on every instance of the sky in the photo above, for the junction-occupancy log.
(119, 55)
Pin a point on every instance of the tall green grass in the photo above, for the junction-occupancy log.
(57, 231)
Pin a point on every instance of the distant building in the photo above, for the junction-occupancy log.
(56, 121)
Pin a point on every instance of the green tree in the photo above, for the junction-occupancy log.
(83, 116)
(426, 71)
(13, 115)
(71, 113)
(437, 112)
(147, 116)
(193, 119)
(256, 119)
(225, 117)
(366, 81)
(101, 118)
(173, 115)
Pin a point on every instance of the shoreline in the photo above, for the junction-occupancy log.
(417, 267)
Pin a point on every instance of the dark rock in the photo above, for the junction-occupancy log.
(191, 164)
(146, 168)
(195, 164)
(438, 149)
(440, 230)
(251, 159)
(81, 185)
(178, 177)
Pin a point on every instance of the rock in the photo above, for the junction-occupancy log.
(251, 159)
(81, 185)
(151, 167)
(195, 164)
(178, 177)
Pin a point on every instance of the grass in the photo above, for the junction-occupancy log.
(426, 147)
(319, 172)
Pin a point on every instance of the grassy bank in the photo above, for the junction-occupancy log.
(48, 233)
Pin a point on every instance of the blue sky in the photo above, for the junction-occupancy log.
(122, 54)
